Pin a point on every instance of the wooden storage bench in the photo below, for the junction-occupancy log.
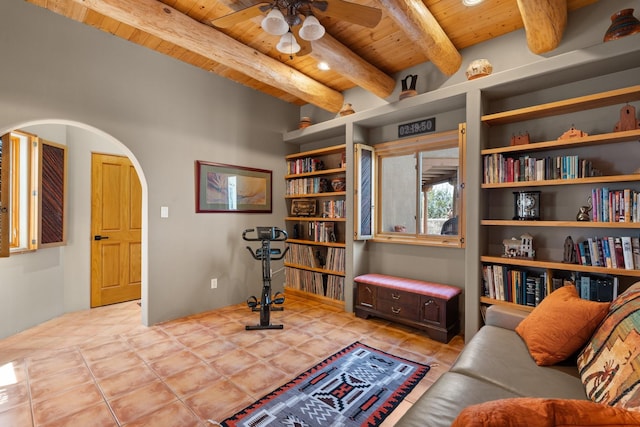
(431, 307)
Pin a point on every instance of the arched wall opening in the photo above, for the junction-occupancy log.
(53, 281)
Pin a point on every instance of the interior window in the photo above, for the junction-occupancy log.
(419, 194)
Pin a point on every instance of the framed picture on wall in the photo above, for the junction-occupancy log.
(228, 188)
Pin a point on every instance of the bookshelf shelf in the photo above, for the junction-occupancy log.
(548, 182)
(315, 267)
(491, 301)
(569, 224)
(562, 197)
(557, 265)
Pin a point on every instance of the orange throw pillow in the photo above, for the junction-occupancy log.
(529, 411)
(560, 325)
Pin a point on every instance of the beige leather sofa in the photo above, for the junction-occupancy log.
(495, 364)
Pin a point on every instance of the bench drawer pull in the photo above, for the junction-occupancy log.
(395, 310)
(395, 296)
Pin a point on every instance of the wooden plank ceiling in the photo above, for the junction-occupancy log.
(410, 32)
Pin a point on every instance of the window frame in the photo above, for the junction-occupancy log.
(416, 145)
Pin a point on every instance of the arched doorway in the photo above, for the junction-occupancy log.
(69, 288)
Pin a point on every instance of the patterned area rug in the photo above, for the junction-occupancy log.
(357, 386)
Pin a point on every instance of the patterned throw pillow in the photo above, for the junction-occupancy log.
(610, 363)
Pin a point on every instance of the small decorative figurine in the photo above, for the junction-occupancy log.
(519, 248)
(572, 133)
(347, 109)
(479, 68)
(623, 24)
(628, 119)
(583, 215)
(520, 139)
(409, 86)
(569, 256)
(305, 122)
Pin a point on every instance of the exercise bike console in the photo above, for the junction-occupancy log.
(265, 254)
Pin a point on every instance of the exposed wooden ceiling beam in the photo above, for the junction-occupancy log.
(544, 23)
(344, 61)
(413, 17)
(172, 26)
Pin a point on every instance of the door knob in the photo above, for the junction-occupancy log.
(100, 237)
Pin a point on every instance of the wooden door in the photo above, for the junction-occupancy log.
(116, 223)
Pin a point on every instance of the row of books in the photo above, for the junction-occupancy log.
(334, 208)
(610, 252)
(304, 186)
(320, 231)
(316, 257)
(308, 164)
(499, 168)
(335, 259)
(302, 255)
(519, 286)
(615, 205)
(316, 283)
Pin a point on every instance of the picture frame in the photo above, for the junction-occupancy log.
(232, 189)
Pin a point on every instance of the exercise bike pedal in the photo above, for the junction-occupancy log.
(252, 302)
(278, 298)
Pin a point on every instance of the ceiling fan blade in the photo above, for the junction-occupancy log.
(305, 45)
(352, 12)
(234, 18)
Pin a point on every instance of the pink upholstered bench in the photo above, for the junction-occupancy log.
(431, 307)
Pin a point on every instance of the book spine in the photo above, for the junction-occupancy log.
(627, 252)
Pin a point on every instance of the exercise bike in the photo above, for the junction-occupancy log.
(265, 254)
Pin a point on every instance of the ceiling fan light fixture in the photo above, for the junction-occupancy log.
(274, 23)
(311, 29)
(288, 44)
(471, 2)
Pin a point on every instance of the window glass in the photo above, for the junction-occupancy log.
(419, 197)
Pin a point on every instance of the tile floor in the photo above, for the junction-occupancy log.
(100, 367)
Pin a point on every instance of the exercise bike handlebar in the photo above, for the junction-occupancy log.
(276, 234)
(257, 256)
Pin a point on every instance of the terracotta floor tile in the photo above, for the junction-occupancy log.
(147, 337)
(192, 379)
(197, 338)
(12, 395)
(105, 350)
(159, 350)
(219, 401)
(126, 381)
(13, 372)
(47, 365)
(248, 339)
(16, 416)
(294, 337)
(182, 328)
(112, 365)
(176, 414)
(46, 387)
(214, 349)
(66, 403)
(233, 361)
(319, 347)
(140, 402)
(94, 416)
(174, 363)
(260, 379)
(294, 361)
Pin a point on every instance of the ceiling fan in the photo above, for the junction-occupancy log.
(295, 22)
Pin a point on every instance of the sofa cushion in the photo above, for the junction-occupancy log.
(560, 325)
(525, 412)
(449, 395)
(610, 363)
(499, 356)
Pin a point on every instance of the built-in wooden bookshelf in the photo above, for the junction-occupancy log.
(557, 220)
(315, 262)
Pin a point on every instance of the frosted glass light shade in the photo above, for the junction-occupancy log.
(288, 44)
(311, 29)
(274, 23)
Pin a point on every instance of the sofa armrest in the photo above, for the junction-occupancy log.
(505, 316)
